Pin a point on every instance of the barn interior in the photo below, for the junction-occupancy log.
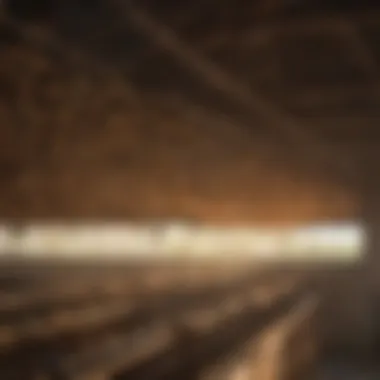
(223, 115)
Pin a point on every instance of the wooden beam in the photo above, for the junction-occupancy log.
(324, 95)
(362, 51)
(251, 36)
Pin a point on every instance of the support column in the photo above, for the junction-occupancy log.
(371, 263)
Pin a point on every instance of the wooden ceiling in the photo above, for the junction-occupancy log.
(216, 110)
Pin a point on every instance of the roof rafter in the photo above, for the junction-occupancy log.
(232, 88)
(317, 23)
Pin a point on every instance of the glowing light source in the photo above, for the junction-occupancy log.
(179, 239)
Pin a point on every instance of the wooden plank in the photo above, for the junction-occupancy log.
(83, 318)
(268, 356)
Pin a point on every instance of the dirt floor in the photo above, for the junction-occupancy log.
(153, 322)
